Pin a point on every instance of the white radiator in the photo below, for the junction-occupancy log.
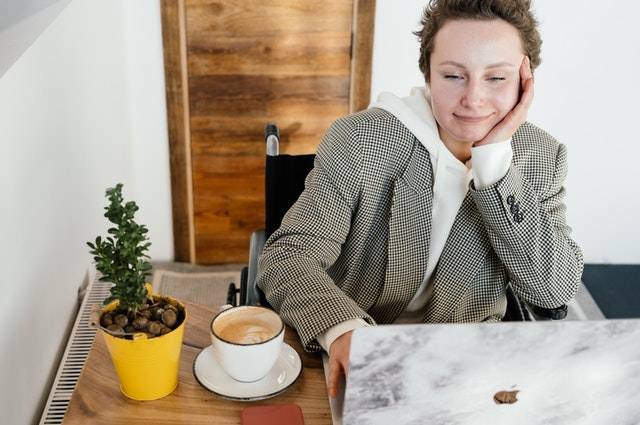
(75, 353)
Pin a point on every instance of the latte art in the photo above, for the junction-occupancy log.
(247, 325)
(247, 341)
(245, 332)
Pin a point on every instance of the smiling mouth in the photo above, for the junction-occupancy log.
(471, 119)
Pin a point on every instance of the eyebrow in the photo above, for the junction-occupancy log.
(493, 65)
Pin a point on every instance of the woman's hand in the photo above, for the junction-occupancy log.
(338, 362)
(518, 115)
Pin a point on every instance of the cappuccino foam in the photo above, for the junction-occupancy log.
(245, 332)
(247, 326)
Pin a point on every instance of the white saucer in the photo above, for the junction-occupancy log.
(284, 373)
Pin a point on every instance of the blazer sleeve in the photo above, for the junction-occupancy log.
(292, 270)
(529, 233)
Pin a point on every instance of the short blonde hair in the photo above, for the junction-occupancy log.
(516, 12)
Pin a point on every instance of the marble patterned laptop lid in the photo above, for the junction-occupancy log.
(564, 372)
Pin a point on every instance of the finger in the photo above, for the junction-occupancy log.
(334, 378)
(524, 72)
(527, 95)
(518, 114)
(510, 123)
(344, 364)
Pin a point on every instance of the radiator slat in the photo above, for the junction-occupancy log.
(75, 355)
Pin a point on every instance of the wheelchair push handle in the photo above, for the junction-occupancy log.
(272, 139)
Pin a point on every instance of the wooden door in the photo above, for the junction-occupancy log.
(233, 66)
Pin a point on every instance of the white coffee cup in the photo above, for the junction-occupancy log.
(246, 341)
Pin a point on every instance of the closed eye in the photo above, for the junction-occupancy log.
(455, 77)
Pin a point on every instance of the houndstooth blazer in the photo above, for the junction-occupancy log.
(356, 242)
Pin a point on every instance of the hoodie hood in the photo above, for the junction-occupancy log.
(414, 111)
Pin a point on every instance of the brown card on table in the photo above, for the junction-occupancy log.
(282, 414)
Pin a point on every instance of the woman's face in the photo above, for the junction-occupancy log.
(469, 94)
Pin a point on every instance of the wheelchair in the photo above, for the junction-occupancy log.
(284, 182)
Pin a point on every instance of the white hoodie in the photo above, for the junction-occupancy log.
(450, 185)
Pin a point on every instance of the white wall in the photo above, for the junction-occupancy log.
(586, 96)
(21, 22)
(81, 109)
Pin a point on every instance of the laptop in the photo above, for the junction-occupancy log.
(565, 372)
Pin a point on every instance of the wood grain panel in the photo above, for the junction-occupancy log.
(233, 66)
(306, 54)
(251, 63)
(259, 18)
(173, 37)
(363, 22)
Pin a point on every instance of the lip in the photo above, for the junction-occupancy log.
(471, 119)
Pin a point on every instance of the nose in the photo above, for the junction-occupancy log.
(474, 95)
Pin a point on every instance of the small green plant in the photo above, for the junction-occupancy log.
(121, 257)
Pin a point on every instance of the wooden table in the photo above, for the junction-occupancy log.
(97, 398)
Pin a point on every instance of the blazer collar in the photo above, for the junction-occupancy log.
(408, 245)
(409, 230)
(464, 252)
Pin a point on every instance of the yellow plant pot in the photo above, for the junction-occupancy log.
(147, 367)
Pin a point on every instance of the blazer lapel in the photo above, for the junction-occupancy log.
(408, 242)
(464, 252)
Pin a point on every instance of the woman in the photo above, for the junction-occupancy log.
(424, 208)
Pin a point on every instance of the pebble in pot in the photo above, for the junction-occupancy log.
(169, 318)
(154, 328)
(141, 323)
(121, 320)
(106, 320)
